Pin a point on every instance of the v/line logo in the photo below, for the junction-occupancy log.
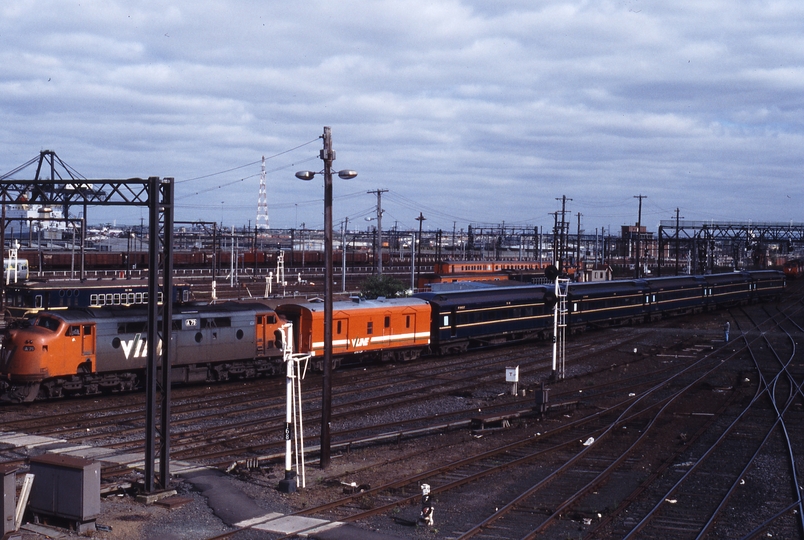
(360, 342)
(136, 348)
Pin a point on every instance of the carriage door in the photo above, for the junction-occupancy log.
(340, 334)
(260, 338)
(387, 331)
(410, 325)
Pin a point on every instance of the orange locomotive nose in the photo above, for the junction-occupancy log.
(25, 359)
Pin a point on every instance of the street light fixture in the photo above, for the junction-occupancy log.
(327, 156)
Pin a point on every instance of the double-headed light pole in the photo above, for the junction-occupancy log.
(327, 156)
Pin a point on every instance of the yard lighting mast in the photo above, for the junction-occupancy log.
(327, 156)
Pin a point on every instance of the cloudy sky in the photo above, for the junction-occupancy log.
(470, 112)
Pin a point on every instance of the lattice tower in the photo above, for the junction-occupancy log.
(262, 201)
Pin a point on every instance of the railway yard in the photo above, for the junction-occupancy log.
(661, 430)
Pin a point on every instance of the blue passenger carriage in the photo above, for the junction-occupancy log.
(26, 299)
(727, 290)
(464, 319)
(767, 284)
(675, 295)
(607, 303)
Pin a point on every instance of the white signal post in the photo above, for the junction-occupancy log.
(294, 372)
(559, 327)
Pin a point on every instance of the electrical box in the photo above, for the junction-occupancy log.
(9, 495)
(66, 487)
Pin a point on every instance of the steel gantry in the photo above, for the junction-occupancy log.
(704, 241)
(67, 188)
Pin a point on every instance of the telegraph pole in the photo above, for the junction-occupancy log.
(578, 247)
(420, 219)
(378, 263)
(343, 253)
(639, 227)
(677, 223)
(556, 260)
(453, 240)
(563, 233)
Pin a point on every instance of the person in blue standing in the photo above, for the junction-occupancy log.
(726, 328)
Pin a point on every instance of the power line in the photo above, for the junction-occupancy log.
(250, 164)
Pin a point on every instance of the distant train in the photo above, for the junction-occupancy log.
(26, 298)
(487, 267)
(88, 351)
(793, 268)
(206, 258)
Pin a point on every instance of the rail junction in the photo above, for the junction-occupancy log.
(658, 431)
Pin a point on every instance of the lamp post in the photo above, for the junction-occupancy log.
(327, 156)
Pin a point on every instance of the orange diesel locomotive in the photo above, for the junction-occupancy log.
(88, 351)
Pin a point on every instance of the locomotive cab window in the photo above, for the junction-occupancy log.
(74, 330)
(369, 328)
(387, 322)
(49, 323)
